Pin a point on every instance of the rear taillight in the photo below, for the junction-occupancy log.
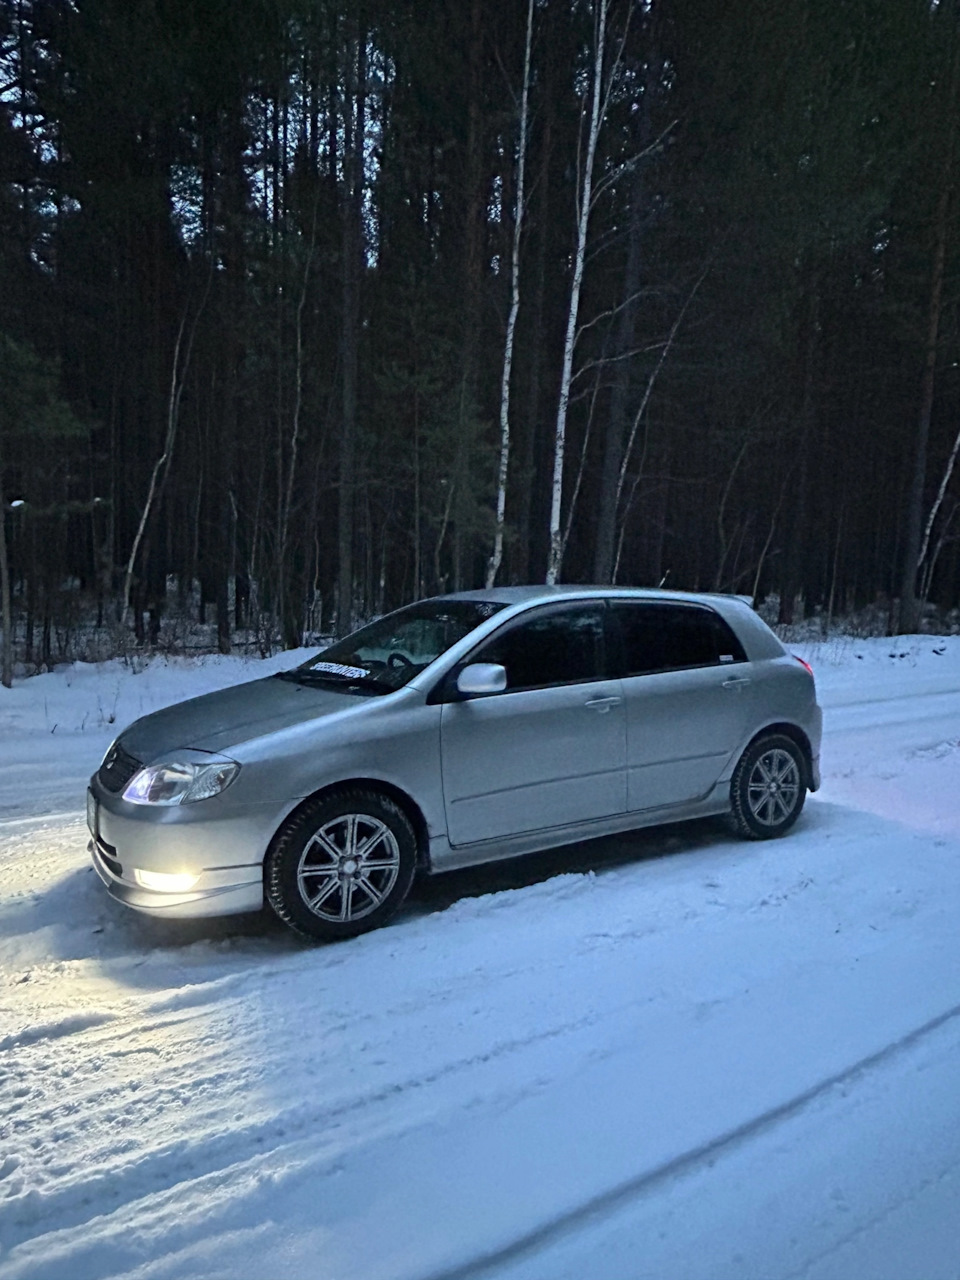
(805, 665)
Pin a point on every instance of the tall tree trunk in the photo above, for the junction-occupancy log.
(223, 474)
(162, 464)
(793, 578)
(938, 501)
(585, 195)
(616, 432)
(909, 604)
(620, 507)
(354, 112)
(529, 434)
(6, 610)
(909, 619)
(495, 560)
(291, 620)
(617, 421)
(474, 214)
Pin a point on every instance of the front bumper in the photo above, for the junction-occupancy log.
(221, 892)
(225, 854)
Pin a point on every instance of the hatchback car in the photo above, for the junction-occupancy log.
(455, 731)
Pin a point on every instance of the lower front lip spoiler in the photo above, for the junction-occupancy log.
(242, 893)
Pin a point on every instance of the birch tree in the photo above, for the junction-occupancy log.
(585, 194)
(354, 125)
(493, 566)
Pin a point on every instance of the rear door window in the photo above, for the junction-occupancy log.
(556, 646)
(672, 637)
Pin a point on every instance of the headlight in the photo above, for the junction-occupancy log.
(181, 779)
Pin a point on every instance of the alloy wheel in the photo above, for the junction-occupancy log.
(348, 867)
(773, 787)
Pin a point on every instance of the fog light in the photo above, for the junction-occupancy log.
(166, 882)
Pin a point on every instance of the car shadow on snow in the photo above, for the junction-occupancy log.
(602, 855)
(124, 930)
(80, 920)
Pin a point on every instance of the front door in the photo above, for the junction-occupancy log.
(550, 749)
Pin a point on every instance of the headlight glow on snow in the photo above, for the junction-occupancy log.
(192, 776)
(165, 882)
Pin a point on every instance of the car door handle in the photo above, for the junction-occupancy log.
(736, 682)
(603, 704)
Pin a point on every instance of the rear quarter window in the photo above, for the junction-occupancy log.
(673, 637)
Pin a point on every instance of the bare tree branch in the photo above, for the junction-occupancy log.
(651, 381)
(944, 481)
(628, 166)
(162, 464)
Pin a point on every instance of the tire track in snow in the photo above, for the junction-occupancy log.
(830, 700)
(55, 1030)
(609, 1202)
(203, 1153)
(866, 1226)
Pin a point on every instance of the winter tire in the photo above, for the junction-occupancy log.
(768, 787)
(341, 865)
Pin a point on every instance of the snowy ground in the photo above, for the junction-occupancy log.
(673, 1056)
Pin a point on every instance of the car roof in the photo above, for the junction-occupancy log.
(543, 594)
(756, 637)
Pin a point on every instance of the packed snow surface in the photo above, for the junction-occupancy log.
(670, 1056)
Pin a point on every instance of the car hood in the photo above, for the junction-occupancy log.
(218, 721)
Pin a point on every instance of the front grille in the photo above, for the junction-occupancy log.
(117, 770)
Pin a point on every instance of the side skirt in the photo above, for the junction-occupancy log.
(444, 856)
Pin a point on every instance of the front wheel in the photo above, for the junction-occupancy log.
(768, 788)
(341, 865)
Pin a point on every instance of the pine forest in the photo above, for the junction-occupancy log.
(310, 308)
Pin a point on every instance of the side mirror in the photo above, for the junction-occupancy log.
(481, 678)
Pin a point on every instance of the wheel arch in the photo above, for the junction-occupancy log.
(401, 798)
(794, 732)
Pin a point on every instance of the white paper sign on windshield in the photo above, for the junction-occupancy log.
(335, 668)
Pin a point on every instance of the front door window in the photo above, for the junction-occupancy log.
(559, 646)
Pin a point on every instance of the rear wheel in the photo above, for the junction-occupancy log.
(341, 865)
(768, 787)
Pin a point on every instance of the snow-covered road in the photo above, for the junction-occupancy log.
(671, 1056)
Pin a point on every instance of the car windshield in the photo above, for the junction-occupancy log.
(388, 653)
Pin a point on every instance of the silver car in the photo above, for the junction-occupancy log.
(458, 730)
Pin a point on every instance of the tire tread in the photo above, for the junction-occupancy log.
(742, 820)
(288, 842)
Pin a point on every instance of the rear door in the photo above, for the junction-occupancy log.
(687, 691)
(551, 749)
